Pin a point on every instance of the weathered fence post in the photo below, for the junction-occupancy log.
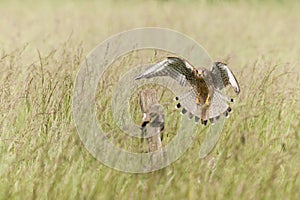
(152, 122)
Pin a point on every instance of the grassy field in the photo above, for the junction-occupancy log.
(41, 47)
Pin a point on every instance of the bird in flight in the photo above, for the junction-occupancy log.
(204, 99)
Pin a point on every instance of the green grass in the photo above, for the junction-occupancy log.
(42, 45)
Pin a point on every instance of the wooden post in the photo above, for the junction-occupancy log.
(153, 119)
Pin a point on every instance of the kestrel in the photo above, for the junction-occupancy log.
(204, 100)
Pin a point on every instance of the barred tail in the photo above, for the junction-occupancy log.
(219, 105)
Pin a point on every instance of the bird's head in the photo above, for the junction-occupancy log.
(202, 73)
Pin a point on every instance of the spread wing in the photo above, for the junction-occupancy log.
(177, 68)
(223, 76)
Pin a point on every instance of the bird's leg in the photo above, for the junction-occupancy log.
(208, 99)
(197, 100)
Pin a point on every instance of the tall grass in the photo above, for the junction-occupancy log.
(41, 155)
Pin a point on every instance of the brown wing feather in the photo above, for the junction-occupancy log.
(177, 68)
(223, 76)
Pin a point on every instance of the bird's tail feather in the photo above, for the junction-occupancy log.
(219, 106)
(187, 102)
